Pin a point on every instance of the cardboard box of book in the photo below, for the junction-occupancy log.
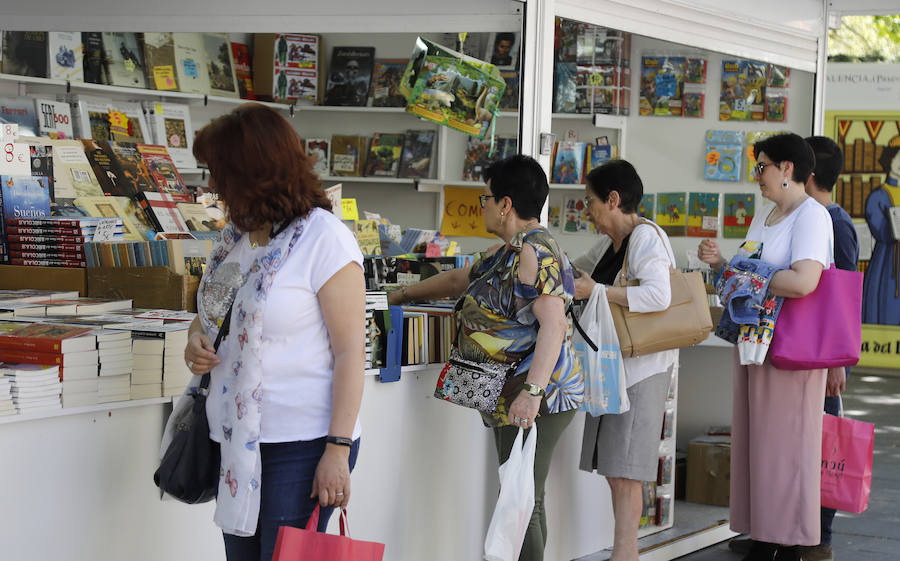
(44, 278)
(709, 470)
(148, 287)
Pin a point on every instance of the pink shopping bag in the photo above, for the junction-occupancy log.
(297, 544)
(847, 447)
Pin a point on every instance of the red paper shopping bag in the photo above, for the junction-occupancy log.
(847, 447)
(296, 544)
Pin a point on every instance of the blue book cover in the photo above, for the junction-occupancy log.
(569, 163)
(600, 154)
(23, 197)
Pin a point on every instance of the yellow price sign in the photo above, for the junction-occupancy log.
(349, 210)
(118, 122)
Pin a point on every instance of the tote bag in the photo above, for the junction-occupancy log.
(824, 328)
(298, 544)
(847, 447)
(604, 371)
(516, 501)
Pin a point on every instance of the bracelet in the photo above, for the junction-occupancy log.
(533, 389)
(339, 440)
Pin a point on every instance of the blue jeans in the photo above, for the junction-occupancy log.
(832, 407)
(288, 469)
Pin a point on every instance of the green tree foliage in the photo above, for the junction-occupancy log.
(865, 39)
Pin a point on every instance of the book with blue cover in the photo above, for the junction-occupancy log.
(19, 111)
(22, 197)
(568, 164)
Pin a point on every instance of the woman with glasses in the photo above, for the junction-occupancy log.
(512, 306)
(625, 447)
(776, 432)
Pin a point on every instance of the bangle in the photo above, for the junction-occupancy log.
(533, 389)
(339, 440)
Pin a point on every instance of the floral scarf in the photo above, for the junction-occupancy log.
(240, 474)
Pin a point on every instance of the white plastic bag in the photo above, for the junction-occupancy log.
(515, 503)
(604, 370)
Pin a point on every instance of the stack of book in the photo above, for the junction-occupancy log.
(51, 241)
(34, 388)
(159, 367)
(73, 350)
(116, 364)
(6, 403)
(81, 306)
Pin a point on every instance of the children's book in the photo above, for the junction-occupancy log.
(752, 137)
(733, 104)
(739, 210)
(575, 219)
(778, 76)
(693, 104)
(66, 60)
(384, 155)
(124, 58)
(349, 75)
(662, 85)
(162, 169)
(386, 83)
(348, 155)
(776, 106)
(671, 213)
(317, 148)
(159, 59)
(220, 65)
(479, 156)
(647, 207)
(418, 153)
(598, 155)
(367, 237)
(724, 150)
(568, 163)
(703, 215)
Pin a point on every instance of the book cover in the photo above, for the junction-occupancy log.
(100, 160)
(163, 211)
(317, 148)
(127, 122)
(54, 118)
(162, 169)
(22, 197)
(386, 81)
(739, 210)
(159, 58)
(66, 61)
(647, 207)
(70, 263)
(384, 155)
(287, 67)
(671, 213)
(564, 87)
(240, 53)
(418, 153)
(124, 59)
(599, 154)
(348, 155)
(703, 215)
(215, 208)
(172, 128)
(90, 116)
(25, 53)
(574, 219)
(503, 50)
(349, 76)
(196, 218)
(220, 65)
(723, 155)
(776, 107)
(568, 164)
(112, 207)
(48, 338)
(132, 174)
(94, 64)
(662, 85)
(479, 156)
(41, 156)
(510, 99)
(778, 76)
(19, 111)
(693, 104)
(367, 237)
(190, 63)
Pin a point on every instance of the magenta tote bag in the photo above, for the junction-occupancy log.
(847, 447)
(824, 328)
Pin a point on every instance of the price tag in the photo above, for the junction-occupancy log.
(15, 159)
(349, 210)
(710, 223)
(9, 132)
(451, 249)
(432, 250)
(106, 229)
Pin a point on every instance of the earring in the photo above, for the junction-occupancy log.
(784, 184)
(501, 214)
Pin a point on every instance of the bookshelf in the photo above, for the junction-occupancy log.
(100, 407)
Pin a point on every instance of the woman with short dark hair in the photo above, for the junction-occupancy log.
(776, 432)
(625, 447)
(512, 307)
(286, 383)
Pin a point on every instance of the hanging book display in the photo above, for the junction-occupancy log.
(703, 215)
(753, 91)
(671, 213)
(723, 155)
(452, 89)
(739, 210)
(592, 69)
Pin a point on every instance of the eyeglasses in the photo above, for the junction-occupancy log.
(483, 199)
(588, 200)
(759, 168)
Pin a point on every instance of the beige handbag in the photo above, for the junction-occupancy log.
(684, 323)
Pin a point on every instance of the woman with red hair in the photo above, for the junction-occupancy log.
(286, 383)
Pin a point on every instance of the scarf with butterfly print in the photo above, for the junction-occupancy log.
(240, 474)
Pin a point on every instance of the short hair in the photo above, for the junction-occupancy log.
(505, 36)
(887, 156)
(521, 179)
(259, 167)
(621, 177)
(788, 147)
(829, 161)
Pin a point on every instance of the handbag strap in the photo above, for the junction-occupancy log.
(623, 279)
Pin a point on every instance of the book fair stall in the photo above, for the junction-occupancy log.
(122, 220)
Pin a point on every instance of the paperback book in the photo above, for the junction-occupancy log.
(66, 61)
(348, 155)
(739, 211)
(386, 83)
(703, 215)
(25, 53)
(19, 111)
(317, 148)
(220, 65)
(240, 53)
(172, 128)
(95, 71)
(418, 153)
(54, 118)
(159, 58)
(384, 155)
(349, 76)
(190, 63)
(124, 58)
(568, 163)
(671, 213)
(162, 169)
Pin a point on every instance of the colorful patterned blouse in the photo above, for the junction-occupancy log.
(497, 322)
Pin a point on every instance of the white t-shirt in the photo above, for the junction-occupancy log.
(806, 233)
(297, 360)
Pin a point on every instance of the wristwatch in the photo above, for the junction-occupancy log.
(533, 389)
(339, 440)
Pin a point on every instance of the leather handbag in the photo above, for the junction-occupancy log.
(684, 323)
(824, 328)
(189, 469)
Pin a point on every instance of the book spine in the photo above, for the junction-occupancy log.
(47, 247)
(44, 240)
(61, 223)
(135, 333)
(30, 344)
(71, 255)
(49, 231)
(47, 262)
(30, 357)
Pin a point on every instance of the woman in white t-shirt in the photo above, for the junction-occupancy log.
(625, 447)
(286, 382)
(776, 433)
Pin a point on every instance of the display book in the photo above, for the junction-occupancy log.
(407, 155)
(672, 85)
(753, 91)
(658, 496)
(452, 89)
(573, 160)
(288, 67)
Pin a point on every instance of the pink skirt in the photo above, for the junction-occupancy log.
(776, 453)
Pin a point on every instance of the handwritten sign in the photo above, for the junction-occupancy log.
(164, 77)
(9, 132)
(15, 159)
(349, 210)
(463, 215)
(106, 229)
